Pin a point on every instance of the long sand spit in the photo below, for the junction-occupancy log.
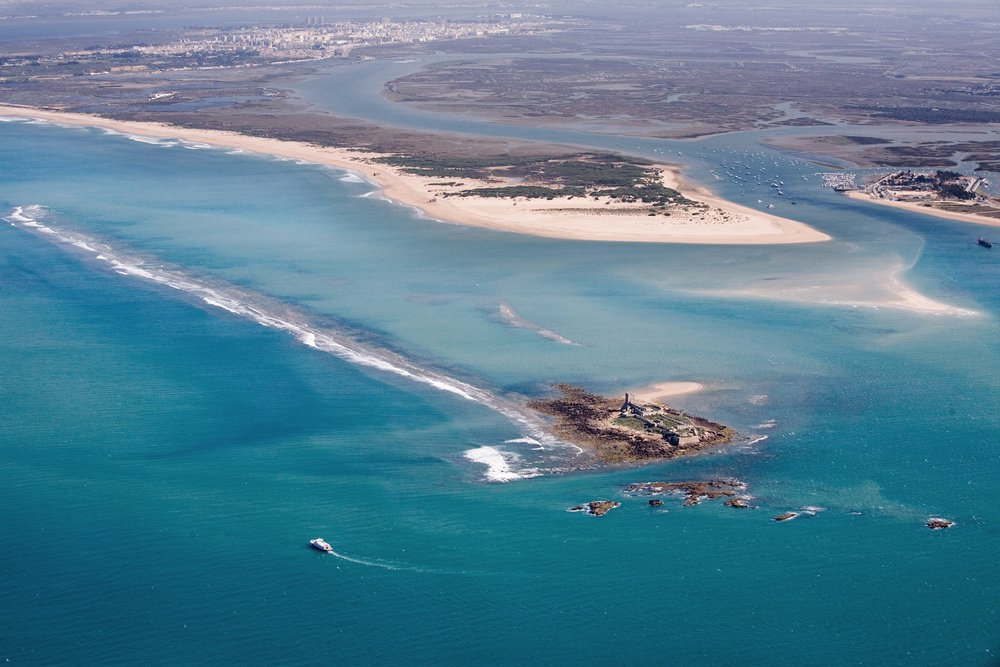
(579, 218)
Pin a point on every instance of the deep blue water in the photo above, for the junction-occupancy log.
(163, 461)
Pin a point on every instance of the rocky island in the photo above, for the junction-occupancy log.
(622, 432)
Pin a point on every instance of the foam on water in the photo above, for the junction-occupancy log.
(524, 440)
(263, 311)
(351, 177)
(166, 143)
(868, 498)
(508, 315)
(153, 141)
(369, 563)
(390, 565)
(498, 464)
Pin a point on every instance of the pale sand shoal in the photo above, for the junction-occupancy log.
(910, 299)
(898, 295)
(926, 210)
(577, 218)
(902, 298)
(654, 393)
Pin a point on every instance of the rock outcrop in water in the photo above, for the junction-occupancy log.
(596, 507)
(694, 492)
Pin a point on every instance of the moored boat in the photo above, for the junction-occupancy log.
(320, 543)
(983, 242)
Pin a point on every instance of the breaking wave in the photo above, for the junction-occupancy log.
(499, 465)
(266, 312)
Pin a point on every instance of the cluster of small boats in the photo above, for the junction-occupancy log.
(750, 170)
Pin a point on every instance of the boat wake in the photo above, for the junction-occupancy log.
(374, 563)
(276, 315)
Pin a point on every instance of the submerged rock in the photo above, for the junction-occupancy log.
(693, 492)
(736, 502)
(937, 523)
(787, 516)
(655, 502)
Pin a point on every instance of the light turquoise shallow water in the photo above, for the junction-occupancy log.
(163, 462)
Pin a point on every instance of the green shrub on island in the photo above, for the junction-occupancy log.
(527, 191)
(582, 175)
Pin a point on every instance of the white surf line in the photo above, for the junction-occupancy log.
(238, 302)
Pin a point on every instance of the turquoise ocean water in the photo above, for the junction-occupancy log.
(164, 458)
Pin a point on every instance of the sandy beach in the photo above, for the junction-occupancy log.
(926, 210)
(576, 218)
(655, 393)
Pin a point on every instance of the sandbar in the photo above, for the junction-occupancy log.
(660, 390)
(926, 210)
(890, 291)
(576, 218)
